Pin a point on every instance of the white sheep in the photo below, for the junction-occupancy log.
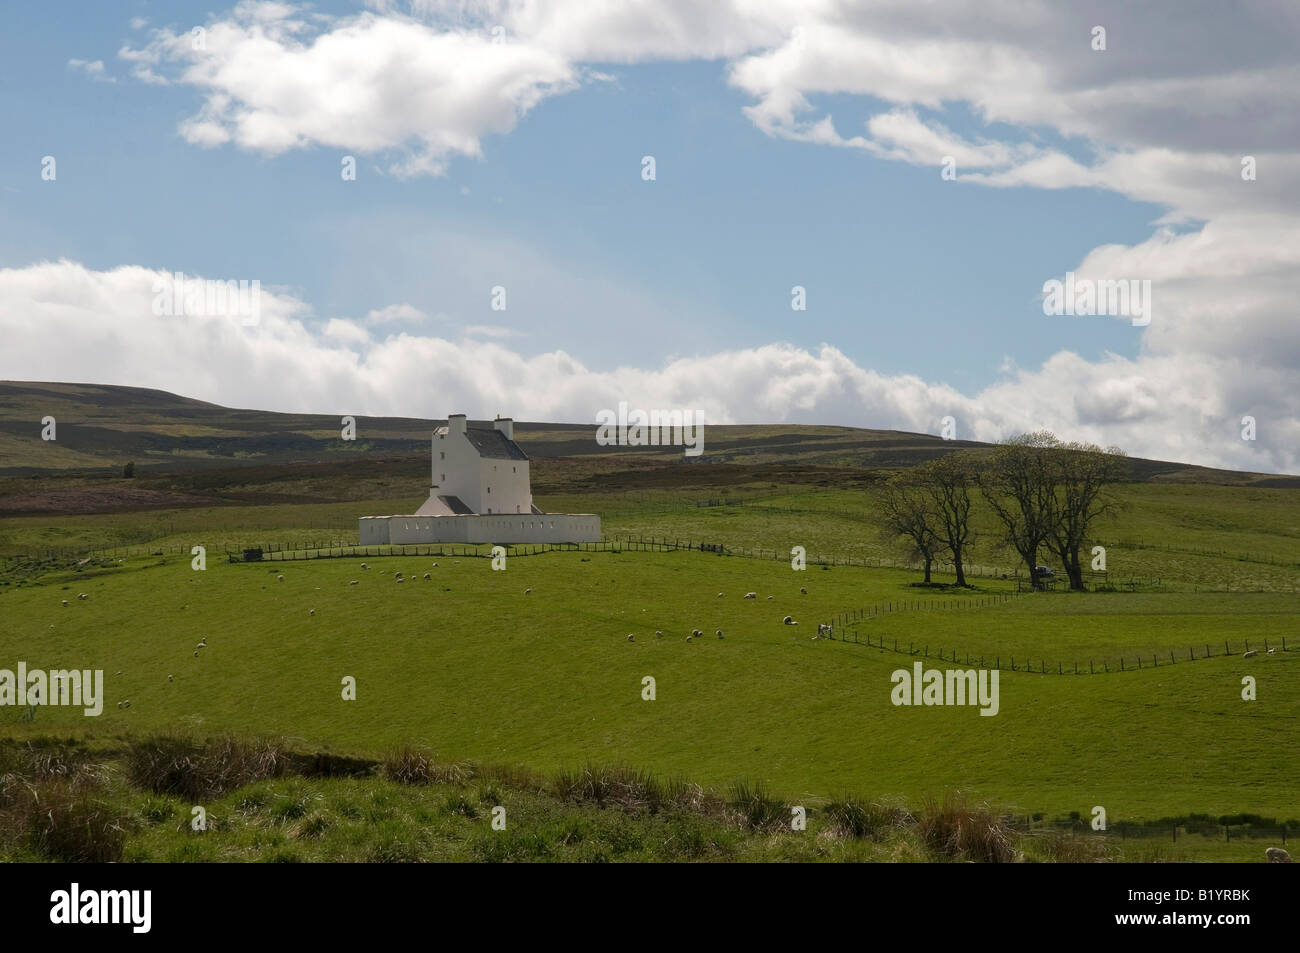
(170, 678)
(528, 592)
(1271, 651)
(427, 575)
(82, 596)
(65, 602)
(203, 644)
(658, 634)
(719, 633)
(1276, 855)
(279, 578)
(803, 591)
(630, 637)
(751, 595)
(311, 611)
(1251, 654)
(788, 621)
(688, 638)
(364, 566)
(696, 632)
(719, 595)
(353, 583)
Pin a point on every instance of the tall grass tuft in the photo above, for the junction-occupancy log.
(191, 768)
(410, 765)
(951, 827)
(757, 810)
(852, 816)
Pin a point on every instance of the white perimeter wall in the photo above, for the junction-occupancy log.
(485, 528)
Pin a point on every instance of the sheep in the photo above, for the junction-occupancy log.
(126, 703)
(353, 582)
(719, 595)
(435, 565)
(311, 611)
(1251, 654)
(82, 596)
(119, 704)
(1276, 855)
(688, 639)
(630, 637)
(426, 575)
(788, 621)
(170, 678)
(658, 634)
(719, 633)
(203, 644)
(1271, 651)
(751, 595)
(65, 602)
(118, 672)
(696, 632)
(803, 591)
(400, 579)
(196, 654)
(279, 578)
(769, 598)
(528, 592)
(364, 566)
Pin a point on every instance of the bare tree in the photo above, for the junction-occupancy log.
(906, 512)
(1018, 482)
(1082, 475)
(948, 483)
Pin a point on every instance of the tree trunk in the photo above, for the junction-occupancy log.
(1075, 571)
(928, 561)
(961, 572)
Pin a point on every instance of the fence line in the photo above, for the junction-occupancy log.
(848, 623)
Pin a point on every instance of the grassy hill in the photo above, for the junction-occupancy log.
(469, 664)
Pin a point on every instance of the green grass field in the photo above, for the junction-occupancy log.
(469, 664)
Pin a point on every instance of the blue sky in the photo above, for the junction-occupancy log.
(907, 275)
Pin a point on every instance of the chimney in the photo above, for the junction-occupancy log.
(456, 423)
(506, 425)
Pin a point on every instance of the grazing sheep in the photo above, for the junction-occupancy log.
(435, 565)
(630, 638)
(203, 644)
(696, 632)
(658, 634)
(427, 575)
(279, 578)
(352, 583)
(1251, 654)
(118, 672)
(126, 703)
(170, 678)
(1271, 651)
(400, 579)
(688, 638)
(65, 602)
(719, 633)
(119, 704)
(751, 595)
(528, 592)
(769, 598)
(719, 595)
(82, 596)
(364, 566)
(803, 591)
(788, 621)
(311, 611)
(1276, 855)
(196, 654)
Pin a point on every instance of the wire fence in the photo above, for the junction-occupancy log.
(850, 628)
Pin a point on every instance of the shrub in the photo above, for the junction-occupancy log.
(757, 809)
(853, 816)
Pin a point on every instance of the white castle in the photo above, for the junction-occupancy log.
(479, 492)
